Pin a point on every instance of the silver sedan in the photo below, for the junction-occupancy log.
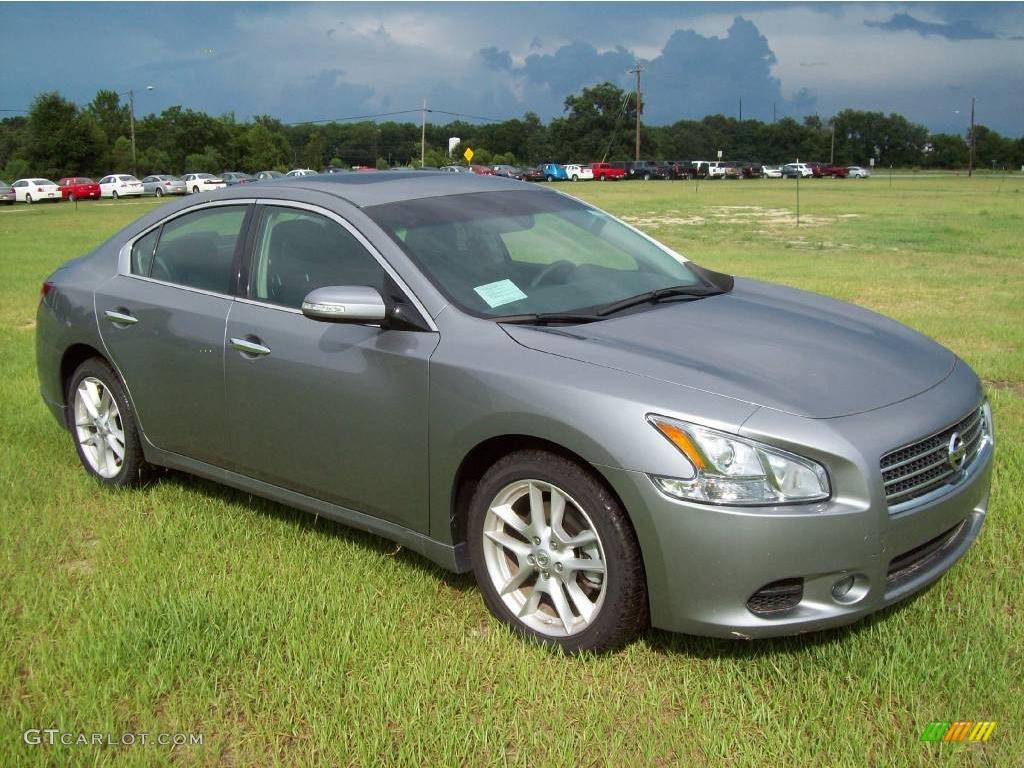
(163, 184)
(511, 382)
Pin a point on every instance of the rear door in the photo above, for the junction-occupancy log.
(162, 320)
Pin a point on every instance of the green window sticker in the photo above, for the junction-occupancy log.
(501, 292)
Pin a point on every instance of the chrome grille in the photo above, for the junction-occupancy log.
(919, 468)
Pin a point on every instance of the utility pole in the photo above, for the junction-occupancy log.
(637, 69)
(741, 109)
(970, 165)
(773, 111)
(131, 118)
(832, 159)
(423, 136)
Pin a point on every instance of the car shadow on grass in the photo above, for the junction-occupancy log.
(321, 526)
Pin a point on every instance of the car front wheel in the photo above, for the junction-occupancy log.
(555, 555)
(103, 426)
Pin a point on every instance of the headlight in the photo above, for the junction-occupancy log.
(732, 470)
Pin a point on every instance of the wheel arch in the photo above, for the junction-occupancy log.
(73, 357)
(484, 454)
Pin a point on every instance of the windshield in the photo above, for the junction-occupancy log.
(525, 252)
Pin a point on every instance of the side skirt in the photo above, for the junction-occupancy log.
(451, 558)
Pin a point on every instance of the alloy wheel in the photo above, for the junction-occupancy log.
(98, 427)
(544, 558)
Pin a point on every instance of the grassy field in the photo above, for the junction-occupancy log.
(187, 607)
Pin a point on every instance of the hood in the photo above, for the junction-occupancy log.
(765, 344)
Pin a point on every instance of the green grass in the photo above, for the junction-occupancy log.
(290, 641)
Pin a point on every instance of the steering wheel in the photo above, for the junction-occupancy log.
(562, 267)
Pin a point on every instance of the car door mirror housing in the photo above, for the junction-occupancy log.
(345, 304)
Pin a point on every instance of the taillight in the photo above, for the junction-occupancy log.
(39, 189)
(167, 183)
(44, 291)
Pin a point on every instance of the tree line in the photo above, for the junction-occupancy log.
(59, 138)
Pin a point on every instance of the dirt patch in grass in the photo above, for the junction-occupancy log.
(1015, 387)
(734, 214)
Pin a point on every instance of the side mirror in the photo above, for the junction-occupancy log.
(345, 304)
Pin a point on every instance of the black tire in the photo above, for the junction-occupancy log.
(114, 193)
(623, 615)
(602, 178)
(71, 197)
(195, 190)
(159, 192)
(550, 178)
(647, 177)
(134, 470)
(28, 198)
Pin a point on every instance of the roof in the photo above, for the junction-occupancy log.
(366, 188)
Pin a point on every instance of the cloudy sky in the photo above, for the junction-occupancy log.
(306, 61)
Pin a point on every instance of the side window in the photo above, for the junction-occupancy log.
(298, 251)
(198, 249)
(142, 253)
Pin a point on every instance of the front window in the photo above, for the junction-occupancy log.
(507, 253)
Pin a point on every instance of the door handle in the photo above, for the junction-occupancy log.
(118, 317)
(249, 347)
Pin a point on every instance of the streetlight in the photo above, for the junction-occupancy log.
(131, 116)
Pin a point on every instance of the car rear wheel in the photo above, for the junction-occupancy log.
(103, 426)
(71, 197)
(28, 198)
(555, 555)
(114, 194)
(159, 192)
(195, 190)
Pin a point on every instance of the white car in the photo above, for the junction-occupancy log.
(120, 185)
(301, 172)
(579, 172)
(772, 171)
(35, 190)
(712, 169)
(202, 182)
(857, 172)
(795, 170)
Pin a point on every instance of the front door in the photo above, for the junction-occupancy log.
(335, 411)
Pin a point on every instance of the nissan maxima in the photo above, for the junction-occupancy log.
(512, 382)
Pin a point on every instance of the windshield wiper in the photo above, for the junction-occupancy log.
(653, 297)
(544, 318)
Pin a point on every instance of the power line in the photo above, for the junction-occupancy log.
(392, 114)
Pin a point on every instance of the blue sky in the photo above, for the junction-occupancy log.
(303, 61)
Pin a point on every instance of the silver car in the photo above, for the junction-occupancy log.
(163, 184)
(514, 383)
(7, 194)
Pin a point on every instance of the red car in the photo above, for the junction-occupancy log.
(78, 188)
(607, 171)
(482, 170)
(824, 171)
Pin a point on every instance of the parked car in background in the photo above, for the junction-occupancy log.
(78, 188)
(160, 184)
(607, 171)
(234, 177)
(7, 194)
(455, 169)
(610, 437)
(118, 185)
(678, 169)
(827, 171)
(732, 170)
(796, 171)
(750, 170)
(772, 171)
(36, 191)
(646, 170)
(482, 170)
(578, 172)
(509, 171)
(858, 172)
(709, 169)
(533, 174)
(307, 171)
(261, 175)
(554, 172)
(203, 182)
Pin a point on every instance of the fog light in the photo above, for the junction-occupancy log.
(850, 589)
(842, 588)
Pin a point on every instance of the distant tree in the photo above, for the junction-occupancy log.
(121, 156)
(209, 160)
(112, 117)
(263, 148)
(946, 150)
(60, 140)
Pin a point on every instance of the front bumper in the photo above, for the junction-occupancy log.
(703, 562)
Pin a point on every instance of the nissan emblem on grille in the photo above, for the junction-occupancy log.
(957, 451)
